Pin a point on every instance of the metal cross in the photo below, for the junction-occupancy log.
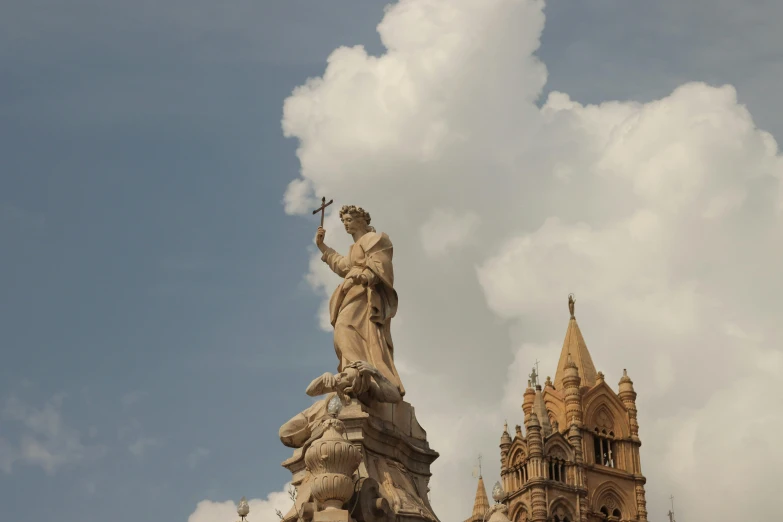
(322, 208)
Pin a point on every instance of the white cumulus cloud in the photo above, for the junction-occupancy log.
(663, 218)
(260, 509)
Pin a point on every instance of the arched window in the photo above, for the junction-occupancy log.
(560, 514)
(616, 515)
(557, 469)
(604, 448)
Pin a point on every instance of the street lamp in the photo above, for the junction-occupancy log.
(243, 509)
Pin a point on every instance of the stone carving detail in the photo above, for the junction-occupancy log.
(371, 506)
(397, 485)
(358, 380)
(519, 458)
(538, 503)
(604, 419)
(557, 453)
(561, 512)
(641, 502)
(332, 461)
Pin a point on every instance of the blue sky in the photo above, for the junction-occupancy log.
(156, 328)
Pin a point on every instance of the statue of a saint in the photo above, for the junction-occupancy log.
(363, 305)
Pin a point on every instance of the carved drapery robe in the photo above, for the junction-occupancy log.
(361, 315)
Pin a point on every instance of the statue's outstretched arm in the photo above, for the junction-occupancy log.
(336, 262)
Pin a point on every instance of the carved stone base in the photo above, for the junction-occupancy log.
(393, 478)
(332, 515)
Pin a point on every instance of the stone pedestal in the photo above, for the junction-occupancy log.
(332, 515)
(392, 482)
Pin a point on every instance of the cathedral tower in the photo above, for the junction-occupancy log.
(579, 458)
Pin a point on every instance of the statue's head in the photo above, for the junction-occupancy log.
(355, 219)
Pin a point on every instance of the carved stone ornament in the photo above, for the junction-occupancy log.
(557, 453)
(498, 513)
(519, 458)
(604, 420)
(332, 461)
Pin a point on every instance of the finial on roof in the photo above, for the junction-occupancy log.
(571, 302)
(505, 438)
(549, 382)
(626, 387)
(600, 376)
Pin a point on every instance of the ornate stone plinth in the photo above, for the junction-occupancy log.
(391, 484)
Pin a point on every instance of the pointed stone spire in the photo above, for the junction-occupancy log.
(575, 353)
(539, 408)
(481, 504)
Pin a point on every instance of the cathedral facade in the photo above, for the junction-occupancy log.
(578, 460)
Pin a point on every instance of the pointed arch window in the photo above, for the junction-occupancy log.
(615, 513)
(604, 447)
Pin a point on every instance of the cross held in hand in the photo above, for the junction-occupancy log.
(322, 208)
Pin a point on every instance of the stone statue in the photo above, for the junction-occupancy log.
(363, 305)
(571, 303)
(533, 378)
(358, 380)
(364, 399)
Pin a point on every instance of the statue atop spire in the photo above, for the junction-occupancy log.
(533, 378)
(574, 353)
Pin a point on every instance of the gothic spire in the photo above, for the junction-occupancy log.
(575, 352)
(481, 504)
